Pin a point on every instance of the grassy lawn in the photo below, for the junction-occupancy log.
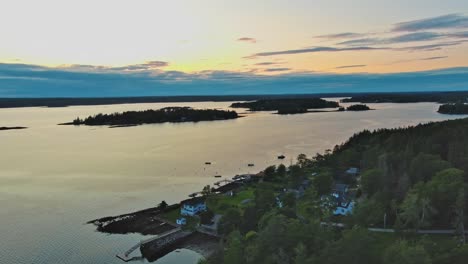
(173, 215)
(221, 203)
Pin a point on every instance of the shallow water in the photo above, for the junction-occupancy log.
(55, 178)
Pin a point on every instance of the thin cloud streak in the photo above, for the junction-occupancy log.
(311, 50)
(247, 39)
(351, 66)
(450, 21)
(345, 35)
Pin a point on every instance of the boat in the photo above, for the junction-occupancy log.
(217, 176)
(281, 156)
(250, 164)
(207, 163)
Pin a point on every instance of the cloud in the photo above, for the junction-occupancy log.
(449, 21)
(310, 50)
(21, 80)
(462, 35)
(247, 39)
(277, 69)
(410, 37)
(430, 47)
(345, 35)
(147, 66)
(267, 63)
(434, 58)
(351, 66)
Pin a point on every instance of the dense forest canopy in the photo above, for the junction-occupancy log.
(411, 179)
(358, 107)
(454, 109)
(168, 114)
(287, 105)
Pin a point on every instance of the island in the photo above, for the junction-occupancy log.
(168, 114)
(358, 107)
(409, 97)
(287, 105)
(454, 109)
(385, 196)
(12, 128)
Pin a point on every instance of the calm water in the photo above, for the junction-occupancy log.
(55, 178)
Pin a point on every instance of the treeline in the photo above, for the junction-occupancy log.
(454, 109)
(412, 178)
(168, 114)
(289, 105)
(436, 97)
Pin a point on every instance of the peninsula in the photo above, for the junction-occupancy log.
(381, 193)
(168, 114)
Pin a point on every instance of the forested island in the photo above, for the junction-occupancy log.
(168, 114)
(454, 109)
(358, 107)
(287, 105)
(431, 97)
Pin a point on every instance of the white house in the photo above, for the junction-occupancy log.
(181, 221)
(192, 208)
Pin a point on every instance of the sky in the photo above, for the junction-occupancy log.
(123, 48)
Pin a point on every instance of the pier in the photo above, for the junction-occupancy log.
(163, 237)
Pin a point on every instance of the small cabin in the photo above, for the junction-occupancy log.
(181, 221)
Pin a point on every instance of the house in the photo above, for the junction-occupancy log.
(352, 171)
(181, 221)
(344, 205)
(340, 189)
(279, 203)
(344, 208)
(193, 207)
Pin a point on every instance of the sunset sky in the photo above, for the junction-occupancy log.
(188, 39)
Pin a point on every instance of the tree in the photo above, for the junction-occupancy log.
(162, 205)
(235, 251)
(355, 247)
(295, 175)
(230, 221)
(417, 209)
(269, 173)
(424, 166)
(281, 171)
(459, 210)
(323, 182)
(368, 212)
(402, 252)
(301, 254)
(372, 181)
(249, 219)
(443, 190)
(206, 217)
(264, 198)
(206, 190)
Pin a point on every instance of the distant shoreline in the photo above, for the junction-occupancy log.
(64, 101)
(12, 128)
